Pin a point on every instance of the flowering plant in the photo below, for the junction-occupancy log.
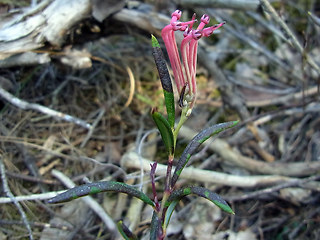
(185, 81)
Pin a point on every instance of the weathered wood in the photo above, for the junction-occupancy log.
(28, 32)
(25, 59)
(50, 21)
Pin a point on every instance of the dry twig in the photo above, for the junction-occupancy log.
(8, 192)
(33, 106)
(131, 160)
(290, 35)
(33, 197)
(292, 183)
(225, 151)
(284, 99)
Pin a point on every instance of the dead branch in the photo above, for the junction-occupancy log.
(32, 197)
(291, 36)
(227, 154)
(293, 183)
(50, 23)
(284, 99)
(131, 160)
(8, 192)
(33, 106)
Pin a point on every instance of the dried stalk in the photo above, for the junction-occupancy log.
(33, 197)
(33, 106)
(131, 160)
(290, 35)
(221, 147)
(8, 192)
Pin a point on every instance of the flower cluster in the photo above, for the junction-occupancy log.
(185, 77)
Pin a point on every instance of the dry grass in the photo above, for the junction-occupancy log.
(277, 127)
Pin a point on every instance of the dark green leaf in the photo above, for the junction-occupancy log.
(155, 227)
(125, 231)
(195, 143)
(201, 192)
(165, 131)
(93, 188)
(169, 212)
(165, 80)
(169, 102)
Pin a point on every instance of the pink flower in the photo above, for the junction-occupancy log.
(185, 77)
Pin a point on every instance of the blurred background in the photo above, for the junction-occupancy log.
(91, 62)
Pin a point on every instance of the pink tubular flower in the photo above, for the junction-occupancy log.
(185, 77)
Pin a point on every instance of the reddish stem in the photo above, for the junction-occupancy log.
(155, 196)
(168, 176)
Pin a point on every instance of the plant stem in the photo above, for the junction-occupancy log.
(182, 120)
(168, 176)
(155, 196)
(167, 188)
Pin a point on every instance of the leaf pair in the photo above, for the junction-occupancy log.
(195, 143)
(177, 195)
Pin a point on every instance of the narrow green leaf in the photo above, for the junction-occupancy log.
(195, 143)
(155, 226)
(165, 80)
(165, 131)
(97, 187)
(154, 41)
(201, 192)
(125, 231)
(169, 102)
(169, 212)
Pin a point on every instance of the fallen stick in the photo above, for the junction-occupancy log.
(224, 150)
(33, 197)
(33, 106)
(131, 160)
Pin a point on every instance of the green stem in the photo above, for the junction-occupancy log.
(183, 119)
(167, 189)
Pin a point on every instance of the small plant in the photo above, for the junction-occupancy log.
(185, 80)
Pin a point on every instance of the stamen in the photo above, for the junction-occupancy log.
(205, 19)
(209, 30)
